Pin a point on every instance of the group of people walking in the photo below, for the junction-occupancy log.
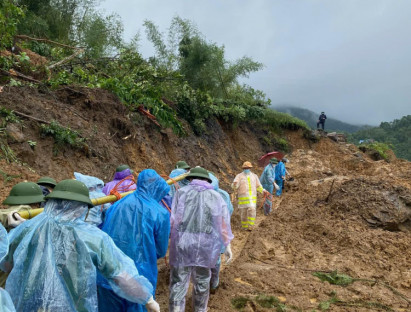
(79, 257)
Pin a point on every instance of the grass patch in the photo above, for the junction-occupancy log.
(264, 301)
(335, 278)
(239, 303)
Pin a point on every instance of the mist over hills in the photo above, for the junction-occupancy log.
(311, 119)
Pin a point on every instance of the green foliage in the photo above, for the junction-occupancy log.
(276, 121)
(202, 63)
(62, 136)
(379, 150)
(8, 116)
(73, 22)
(335, 278)
(325, 305)
(282, 144)
(395, 134)
(239, 303)
(10, 15)
(265, 301)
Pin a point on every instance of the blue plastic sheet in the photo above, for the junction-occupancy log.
(95, 187)
(54, 259)
(140, 226)
(6, 305)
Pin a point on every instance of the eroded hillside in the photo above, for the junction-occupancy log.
(343, 211)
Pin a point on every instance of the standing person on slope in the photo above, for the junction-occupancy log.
(200, 226)
(279, 177)
(267, 180)
(247, 184)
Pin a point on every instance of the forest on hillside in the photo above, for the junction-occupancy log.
(52, 43)
(395, 134)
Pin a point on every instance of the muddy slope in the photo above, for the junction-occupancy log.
(342, 212)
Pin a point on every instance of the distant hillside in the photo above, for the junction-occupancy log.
(396, 133)
(311, 118)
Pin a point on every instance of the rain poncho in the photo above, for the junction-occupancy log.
(182, 183)
(200, 225)
(268, 177)
(224, 194)
(215, 272)
(123, 182)
(247, 186)
(6, 305)
(95, 186)
(279, 173)
(267, 180)
(54, 259)
(140, 226)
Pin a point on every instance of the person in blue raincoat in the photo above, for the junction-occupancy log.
(54, 258)
(181, 168)
(6, 305)
(267, 180)
(215, 272)
(140, 227)
(95, 187)
(279, 177)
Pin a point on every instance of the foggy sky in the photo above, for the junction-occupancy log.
(349, 58)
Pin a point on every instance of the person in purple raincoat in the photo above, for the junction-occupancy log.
(123, 181)
(200, 226)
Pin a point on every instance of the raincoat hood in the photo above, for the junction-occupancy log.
(91, 182)
(95, 187)
(63, 210)
(214, 181)
(150, 183)
(122, 174)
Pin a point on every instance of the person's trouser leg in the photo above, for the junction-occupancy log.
(215, 275)
(201, 288)
(280, 186)
(251, 214)
(179, 281)
(244, 218)
(322, 125)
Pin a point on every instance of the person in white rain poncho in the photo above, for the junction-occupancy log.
(54, 258)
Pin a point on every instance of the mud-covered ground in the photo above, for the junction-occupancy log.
(343, 211)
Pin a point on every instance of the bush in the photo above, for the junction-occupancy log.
(10, 15)
(377, 150)
(62, 136)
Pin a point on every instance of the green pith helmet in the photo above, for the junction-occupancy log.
(199, 172)
(24, 193)
(274, 161)
(47, 181)
(182, 165)
(71, 190)
(122, 168)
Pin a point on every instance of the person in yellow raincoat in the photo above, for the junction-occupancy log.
(247, 184)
